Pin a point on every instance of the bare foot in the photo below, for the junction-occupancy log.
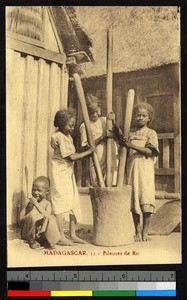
(138, 237)
(65, 242)
(35, 245)
(76, 239)
(145, 237)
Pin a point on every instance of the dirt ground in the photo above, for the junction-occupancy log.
(161, 249)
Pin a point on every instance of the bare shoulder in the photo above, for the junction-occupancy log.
(46, 203)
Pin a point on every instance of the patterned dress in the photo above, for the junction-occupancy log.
(140, 170)
(64, 192)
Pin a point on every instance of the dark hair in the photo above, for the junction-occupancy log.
(62, 117)
(146, 106)
(93, 103)
(43, 179)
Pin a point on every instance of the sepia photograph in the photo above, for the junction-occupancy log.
(93, 135)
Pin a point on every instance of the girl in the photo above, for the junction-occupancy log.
(100, 134)
(143, 149)
(64, 192)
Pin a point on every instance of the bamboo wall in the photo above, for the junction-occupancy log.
(36, 88)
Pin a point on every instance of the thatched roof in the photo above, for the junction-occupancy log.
(25, 20)
(143, 37)
(73, 37)
(29, 20)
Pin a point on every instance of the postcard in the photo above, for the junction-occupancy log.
(93, 135)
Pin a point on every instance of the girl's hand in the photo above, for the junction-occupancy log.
(92, 148)
(128, 144)
(54, 144)
(122, 138)
(33, 200)
(109, 134)
(124, 141)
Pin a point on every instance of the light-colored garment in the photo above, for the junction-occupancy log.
(140, 170)
(64, 192)
(98, 128)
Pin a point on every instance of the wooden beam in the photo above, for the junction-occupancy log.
(109, 85)
(64, 88)
(71, 61)
(127, 125)
(157, 164)
(162, 136)
(36, 51)
(80, 56)
(25, 39)
(166, 154)
(82, 100)
(164, 171)
(177, 144)
(50, 14)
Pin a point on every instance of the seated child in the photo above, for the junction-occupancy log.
(38, 220)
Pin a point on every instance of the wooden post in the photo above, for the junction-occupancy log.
(166, 154)
(109, 104)
(82, 100)
(64, 87)
(177, 144)
(127, 124)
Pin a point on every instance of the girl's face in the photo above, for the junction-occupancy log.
(69, 127)
(142, 117)
(94, 115)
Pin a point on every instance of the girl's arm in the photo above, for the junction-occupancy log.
(150, 149)
(77, 156)
(142, 150)
(45, 212)
(28, 208)
(25, 211)
(98, 141)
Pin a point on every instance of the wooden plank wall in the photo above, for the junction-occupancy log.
(35, 90)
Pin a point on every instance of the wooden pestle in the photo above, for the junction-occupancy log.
(109, 83)
(82, 101)
(127, 124)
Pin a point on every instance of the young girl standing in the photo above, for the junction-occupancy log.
(99, 131)
(64, 193)
(143, 150)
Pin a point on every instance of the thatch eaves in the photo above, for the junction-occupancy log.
(29, 20)
(143, 37)
(73, 37)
